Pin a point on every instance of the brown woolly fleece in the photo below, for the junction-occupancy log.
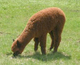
(50, 20)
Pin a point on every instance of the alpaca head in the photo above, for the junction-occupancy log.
(17, 47)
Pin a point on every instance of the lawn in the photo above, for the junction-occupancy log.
(14, 15)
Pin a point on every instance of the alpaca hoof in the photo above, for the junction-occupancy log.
(43, 53)
(50, 49)
(54, 51)
(35, 49)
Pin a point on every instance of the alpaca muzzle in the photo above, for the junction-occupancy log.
(16, 53)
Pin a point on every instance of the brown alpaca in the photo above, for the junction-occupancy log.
(50, 20)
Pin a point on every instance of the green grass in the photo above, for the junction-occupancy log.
(14, 15)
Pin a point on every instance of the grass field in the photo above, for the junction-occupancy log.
(14, 15)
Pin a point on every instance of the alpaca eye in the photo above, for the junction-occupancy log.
(18, 44)
(13, 40)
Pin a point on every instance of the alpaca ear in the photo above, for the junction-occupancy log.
(18, 44)
(13, 40)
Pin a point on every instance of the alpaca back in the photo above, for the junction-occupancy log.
(45, 20)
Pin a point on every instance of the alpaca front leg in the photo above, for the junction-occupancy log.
(43, 44)
(36, 44)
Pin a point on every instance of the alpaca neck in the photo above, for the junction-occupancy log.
(25, 37)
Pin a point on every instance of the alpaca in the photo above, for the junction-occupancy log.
(50, 20)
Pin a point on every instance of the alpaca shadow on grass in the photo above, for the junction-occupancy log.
(48, 57)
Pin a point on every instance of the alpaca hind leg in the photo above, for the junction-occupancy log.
(57, 34)
(36, 44)
(43, 44)
(57, 42)
(52, 38)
